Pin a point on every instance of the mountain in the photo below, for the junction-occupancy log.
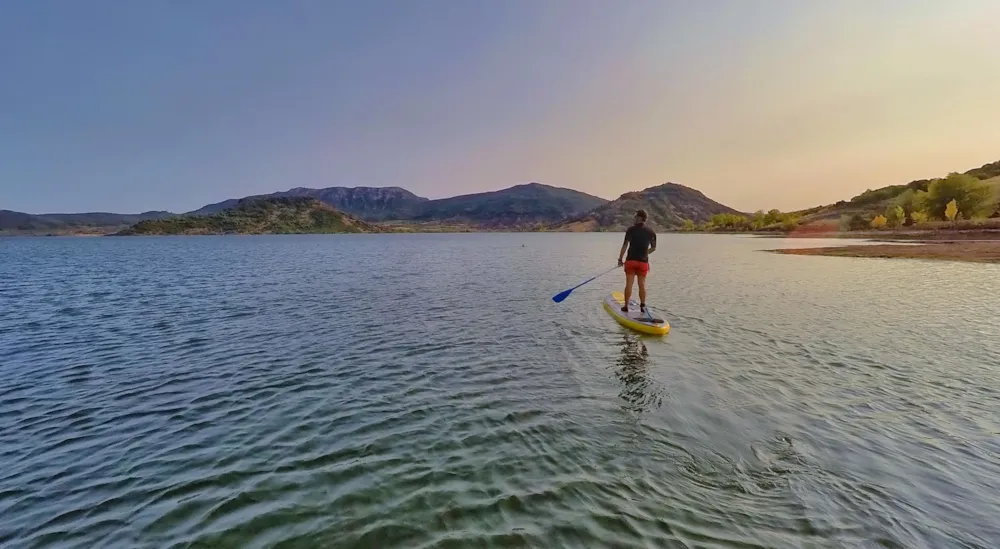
(371, 203)
(667, 206)
(528, 204)
(17, 221)
(520, 205)
(56, 223)
(259, 215)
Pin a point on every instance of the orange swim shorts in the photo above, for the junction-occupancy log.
(640, 268)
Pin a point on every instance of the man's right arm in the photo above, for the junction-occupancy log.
(621, 253)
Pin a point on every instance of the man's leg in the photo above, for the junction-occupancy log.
(642, 291)
(629, 277)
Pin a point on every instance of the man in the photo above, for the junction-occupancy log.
(640, 241)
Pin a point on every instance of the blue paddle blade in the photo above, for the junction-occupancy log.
(558, 298)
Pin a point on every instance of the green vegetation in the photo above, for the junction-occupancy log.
(974, 199)
(853, 222)
(259, 216)
(909, 201)
(774, 220)
(871, 197)
(895, 216)
(986, 171)
(729, 222)
(953, 198)
(919, 203)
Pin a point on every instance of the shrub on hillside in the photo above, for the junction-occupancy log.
(728, 221)
(853, 222)
(895, 216)
(878, 195)
(986, 171)
(972, 197)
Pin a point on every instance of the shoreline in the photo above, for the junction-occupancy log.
(979, 251)
(886, 236)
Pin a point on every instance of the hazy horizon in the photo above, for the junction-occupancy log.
(783, 105)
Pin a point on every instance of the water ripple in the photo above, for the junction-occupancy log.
(383, 391)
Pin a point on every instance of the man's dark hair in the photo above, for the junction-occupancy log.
(641, 214)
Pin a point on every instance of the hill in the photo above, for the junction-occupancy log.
(274, 215)
(70, 223)
(370, 203)
(874, 202)
(520, 205)
(667, 205)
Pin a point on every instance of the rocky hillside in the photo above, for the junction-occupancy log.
(667, 205)
(370, 203)
(281, 215)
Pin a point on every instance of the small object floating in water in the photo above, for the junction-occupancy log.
(649, 322)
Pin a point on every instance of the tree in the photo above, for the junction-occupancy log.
(688, 225)
(854, 222)
(878, 222)
(895, 216)
(918, 217)
(972, 197)
(951, 211)
(908, 201)
(757, 221)
(729, 221)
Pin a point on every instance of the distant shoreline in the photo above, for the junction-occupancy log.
(888, 236)
(981, 251)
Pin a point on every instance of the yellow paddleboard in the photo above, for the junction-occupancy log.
(650, 322)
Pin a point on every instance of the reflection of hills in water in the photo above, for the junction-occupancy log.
(639, 392)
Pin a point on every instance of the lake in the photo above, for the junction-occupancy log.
(423, 391)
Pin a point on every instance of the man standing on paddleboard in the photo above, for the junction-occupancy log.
(640, 241)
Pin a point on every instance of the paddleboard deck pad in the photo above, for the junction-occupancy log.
(649, 322)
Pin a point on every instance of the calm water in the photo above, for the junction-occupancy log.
(417, 391)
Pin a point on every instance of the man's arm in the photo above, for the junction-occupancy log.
(652, 244)
(621, 254)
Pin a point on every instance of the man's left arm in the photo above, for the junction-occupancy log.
(652, 243)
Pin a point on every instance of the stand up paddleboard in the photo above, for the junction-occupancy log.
(650, 322)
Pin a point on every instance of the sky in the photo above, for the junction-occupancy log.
(136, 106)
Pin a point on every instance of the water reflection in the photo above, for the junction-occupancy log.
(639, 392)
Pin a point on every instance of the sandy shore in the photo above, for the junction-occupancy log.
(977, 251)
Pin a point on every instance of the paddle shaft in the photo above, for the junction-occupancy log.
(565, 293)
(591, 279)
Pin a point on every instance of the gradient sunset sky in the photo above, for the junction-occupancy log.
(133, 106)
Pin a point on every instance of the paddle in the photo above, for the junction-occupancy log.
(558, 298)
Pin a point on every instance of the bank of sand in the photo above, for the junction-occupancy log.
(980, 251)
